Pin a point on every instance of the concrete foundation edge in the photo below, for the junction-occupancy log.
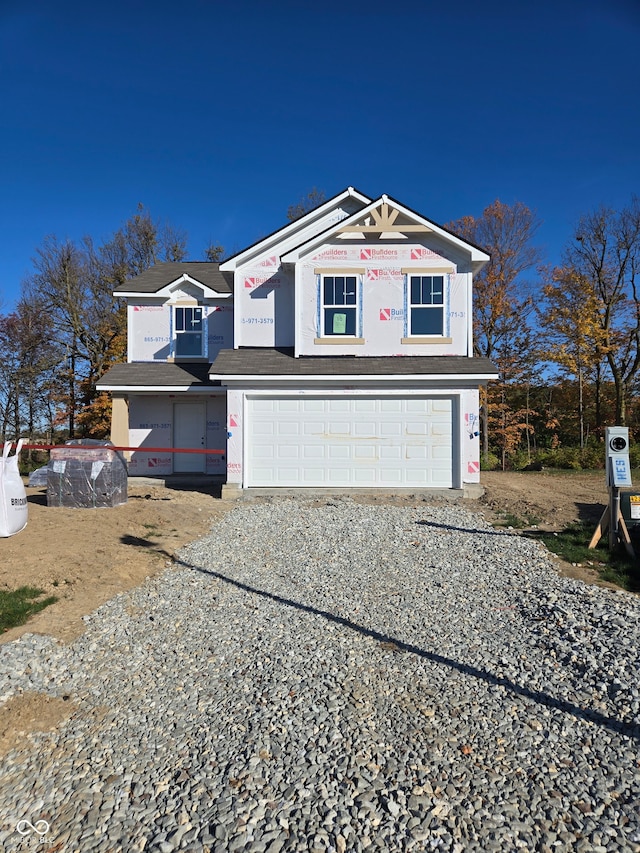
(470, 491)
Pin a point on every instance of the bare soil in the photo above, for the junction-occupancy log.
(86, 556)
(547, 500)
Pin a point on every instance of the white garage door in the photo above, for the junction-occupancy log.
(349, 441)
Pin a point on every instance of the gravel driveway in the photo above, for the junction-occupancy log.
(337, 676)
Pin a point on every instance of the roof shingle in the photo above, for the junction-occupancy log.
(160, 275)
(160, 374)
(281, 362)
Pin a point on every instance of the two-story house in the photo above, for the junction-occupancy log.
(336, 352)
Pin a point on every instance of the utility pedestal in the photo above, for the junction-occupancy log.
(618, 474)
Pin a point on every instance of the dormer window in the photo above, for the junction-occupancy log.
(189, 336)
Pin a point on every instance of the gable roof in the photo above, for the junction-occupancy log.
(417, 222)
(206, 273)
(287, 231)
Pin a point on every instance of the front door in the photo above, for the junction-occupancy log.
(189, 431)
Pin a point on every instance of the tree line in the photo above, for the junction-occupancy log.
(67, 328)
(565, 339)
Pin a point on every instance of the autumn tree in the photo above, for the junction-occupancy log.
(574, 340)
(75, 283)
(502, 302)
(605, 251)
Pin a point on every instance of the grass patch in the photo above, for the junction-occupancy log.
(572, 545)
(508, 519)
(17, 605)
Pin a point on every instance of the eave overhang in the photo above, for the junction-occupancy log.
(264, 245)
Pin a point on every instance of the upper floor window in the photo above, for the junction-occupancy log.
(427, 305)
(339, 305)
(189, 332)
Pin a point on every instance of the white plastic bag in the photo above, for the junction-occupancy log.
(13, 498)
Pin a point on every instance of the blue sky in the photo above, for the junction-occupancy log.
(218, 116)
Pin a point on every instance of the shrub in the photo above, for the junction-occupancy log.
(489, 462)
(634, 455)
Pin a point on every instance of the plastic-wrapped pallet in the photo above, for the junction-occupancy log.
(77, 477)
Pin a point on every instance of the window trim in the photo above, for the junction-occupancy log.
(338, 272)
(430, 272)
(175, 334)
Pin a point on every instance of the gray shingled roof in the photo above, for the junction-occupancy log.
(281, 362)
(156, 374)
(158, 276)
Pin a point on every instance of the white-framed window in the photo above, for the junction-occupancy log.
(426, 303)
(339, 305)
(188, 324)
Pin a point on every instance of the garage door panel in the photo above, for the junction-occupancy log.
(368, 429)
(341, 452)
(313, 452)
(365, 453)
(291, 452)
(415, 428)
(440, 452)
(390, 453)
(392, 478)
(264, 428)
(336, 429)
(413, 450)
(313, 427)
(349, 441)
(390, 430)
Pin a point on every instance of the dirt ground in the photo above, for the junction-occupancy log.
(86, 556)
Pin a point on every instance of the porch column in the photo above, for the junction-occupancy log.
(120, 422)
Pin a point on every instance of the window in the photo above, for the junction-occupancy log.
(340, 305)
(426, 305)
(188, 332)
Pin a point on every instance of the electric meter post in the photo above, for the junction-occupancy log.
(618, 475)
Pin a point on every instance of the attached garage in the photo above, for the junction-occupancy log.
(357, 441)
(347, 423)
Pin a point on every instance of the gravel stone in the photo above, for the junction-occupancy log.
(336, 675)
